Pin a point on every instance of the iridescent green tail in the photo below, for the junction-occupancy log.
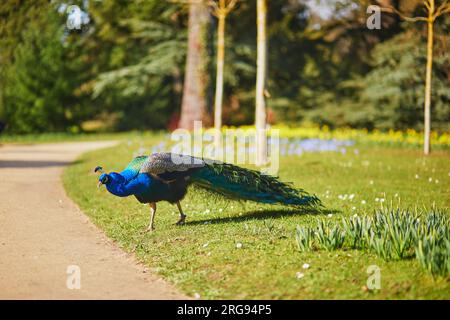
(238, 183)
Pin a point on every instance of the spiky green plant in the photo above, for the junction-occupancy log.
(434, 255)
(399, 229)
(357, 231)
(329, 237)
(392, 234)
(304, 238)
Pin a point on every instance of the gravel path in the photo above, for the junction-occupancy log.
(46, 241)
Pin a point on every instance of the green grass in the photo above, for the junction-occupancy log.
(203, 256)
(68, 137)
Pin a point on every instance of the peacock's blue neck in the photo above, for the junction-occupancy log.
(142, 184)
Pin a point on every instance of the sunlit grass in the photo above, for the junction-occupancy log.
(246, 250)
(67, 137)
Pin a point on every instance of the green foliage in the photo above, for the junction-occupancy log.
(357, 231)
(392, 234)
(434, 255)
(40, 83)
(126, 67)
(394, 90)
(329, 237)
(201, 256)
(141, 80)
(304, 237)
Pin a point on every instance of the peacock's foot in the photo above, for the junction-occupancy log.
(149, 229)
(182, 221)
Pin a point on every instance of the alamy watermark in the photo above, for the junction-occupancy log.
(238, 146)
(374, 20)
(374, 279)
(73, 280)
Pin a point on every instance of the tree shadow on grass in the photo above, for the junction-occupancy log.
(264, 214)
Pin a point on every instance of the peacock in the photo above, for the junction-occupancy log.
(166, 177)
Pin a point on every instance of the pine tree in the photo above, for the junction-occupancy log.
(39, 90)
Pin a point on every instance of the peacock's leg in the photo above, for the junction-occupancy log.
(182, 215)
(152, 216)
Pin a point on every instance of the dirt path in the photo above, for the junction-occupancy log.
(42, 233)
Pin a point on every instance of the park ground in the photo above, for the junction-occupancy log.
(233, 250)
(45, 237)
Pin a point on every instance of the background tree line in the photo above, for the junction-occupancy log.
(127, 66)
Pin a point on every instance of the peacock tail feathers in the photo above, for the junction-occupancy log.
(244, 184)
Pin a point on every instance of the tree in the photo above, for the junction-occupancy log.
(14, 16)
(433, 12)
(260, 110)
(137, 51)
(392, 92)
(193, 105)
(39, 92)
(220, 10)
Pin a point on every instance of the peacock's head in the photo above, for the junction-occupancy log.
(104, 177)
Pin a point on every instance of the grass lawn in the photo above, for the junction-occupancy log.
(235, 250)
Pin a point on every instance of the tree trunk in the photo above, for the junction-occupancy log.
(427, 117)
(219, 79)
(260, 112)
(193, 106)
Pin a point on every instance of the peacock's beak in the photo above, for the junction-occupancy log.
(99, 184)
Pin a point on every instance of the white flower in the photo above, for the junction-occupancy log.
(207, 211)
(382, 200)
(430, 179)
(305, 266)
(329, 215)
(396, 195)
(220, 210)
(196, 295)
(371, 182)
(437, 181)
(363, 202)
(355, 215)
(351, 196)
(238, 245)
(299, 275)
(377, 199)
(353, 208)
(416, 176)
(205, 245)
